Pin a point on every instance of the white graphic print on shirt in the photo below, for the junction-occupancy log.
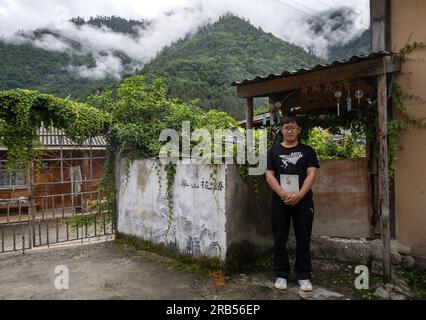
(290, 158)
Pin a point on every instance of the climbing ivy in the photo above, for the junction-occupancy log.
(140, 110)
(170, 176)
(23, 112)
(408, 48)
(395, 126)
(244, 167)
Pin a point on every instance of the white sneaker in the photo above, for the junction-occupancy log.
(281, 283)
(305, 285)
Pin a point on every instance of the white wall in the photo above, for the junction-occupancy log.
(198, 221)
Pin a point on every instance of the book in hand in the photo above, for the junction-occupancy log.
(289, 182)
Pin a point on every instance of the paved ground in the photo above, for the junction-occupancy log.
(114, 271)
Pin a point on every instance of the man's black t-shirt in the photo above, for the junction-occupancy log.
(290, 166)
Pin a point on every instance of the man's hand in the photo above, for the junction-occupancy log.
(284, 195)
(293, 198)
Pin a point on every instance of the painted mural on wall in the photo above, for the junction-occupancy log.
(197, 226)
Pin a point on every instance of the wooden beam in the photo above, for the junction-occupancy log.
(384, 175)
(344, 72)
(249, 113)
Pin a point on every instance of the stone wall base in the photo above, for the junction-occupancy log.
(362, 251)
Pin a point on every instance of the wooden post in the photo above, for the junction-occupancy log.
(249, 113)
(378, 10)
(384, 175)
(379, 42)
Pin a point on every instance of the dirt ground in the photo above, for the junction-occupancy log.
(110, 270)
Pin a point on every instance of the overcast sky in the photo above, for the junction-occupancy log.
(287, 19)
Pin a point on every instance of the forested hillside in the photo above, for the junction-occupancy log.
(204, 64)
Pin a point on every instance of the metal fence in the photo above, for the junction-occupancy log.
(59, 199)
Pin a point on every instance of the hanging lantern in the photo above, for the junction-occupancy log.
(349, 104)
(359, 94)
(348, 99)
(338, 95)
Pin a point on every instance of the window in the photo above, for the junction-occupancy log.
(75, 173)
(17, 179)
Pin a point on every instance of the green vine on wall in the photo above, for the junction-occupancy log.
(108, 182)
(408, 48)
(395, 126)
(170, 169)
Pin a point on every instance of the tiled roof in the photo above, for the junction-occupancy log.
(53, 137)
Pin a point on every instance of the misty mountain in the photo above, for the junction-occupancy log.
(357, 46)
(204, 64)
(116, 24)
(23, 66)
(332, 28)
(201, 65)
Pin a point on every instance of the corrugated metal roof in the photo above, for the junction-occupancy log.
(353, 59)
(53, 137)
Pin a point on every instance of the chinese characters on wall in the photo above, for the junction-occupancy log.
(203, 184)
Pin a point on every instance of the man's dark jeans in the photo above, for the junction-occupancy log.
(302, 215)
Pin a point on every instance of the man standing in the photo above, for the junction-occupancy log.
(291, 170)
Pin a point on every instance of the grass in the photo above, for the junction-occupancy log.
(415, 279)
(201, 265)
(341, 278)
(368, 294)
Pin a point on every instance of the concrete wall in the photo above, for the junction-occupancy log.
(206, 222)
(197, 225)
(342, 203)
(342, 199)
(247, 218)
(408, 23)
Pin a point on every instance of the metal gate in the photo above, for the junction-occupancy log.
(56, 198)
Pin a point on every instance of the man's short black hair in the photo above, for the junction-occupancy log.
(290, 119)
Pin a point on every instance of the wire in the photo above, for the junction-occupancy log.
(326, 5)
(339, 4)
(299, 10)
(316, 12)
